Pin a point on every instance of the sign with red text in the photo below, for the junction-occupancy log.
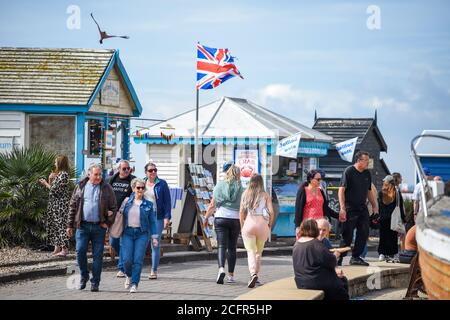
(248, 162)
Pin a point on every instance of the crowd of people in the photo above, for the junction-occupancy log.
(143, 207)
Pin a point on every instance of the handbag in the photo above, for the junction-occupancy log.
(116, 230)
(397, 224)
(266, 213)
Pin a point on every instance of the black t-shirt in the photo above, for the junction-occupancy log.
(122, 189)
(357, 185)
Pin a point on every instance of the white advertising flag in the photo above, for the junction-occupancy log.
(288, 147)
(346, 149)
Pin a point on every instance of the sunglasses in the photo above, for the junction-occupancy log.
(126, 169)
(152, 170)
(140, 188)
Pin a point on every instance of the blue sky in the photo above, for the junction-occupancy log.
(295, 56)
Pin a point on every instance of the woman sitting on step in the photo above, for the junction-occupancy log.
(314, 265)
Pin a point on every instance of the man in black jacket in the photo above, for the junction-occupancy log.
(121, 184)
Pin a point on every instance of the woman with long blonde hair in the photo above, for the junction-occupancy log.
(387, 201)
(226, 198)
(256, 218)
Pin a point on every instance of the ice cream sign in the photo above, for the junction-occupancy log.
(248, 162)
(288, 147)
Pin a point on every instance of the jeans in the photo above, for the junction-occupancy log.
(115, 244)
(360, 221)
(227, 231)
(156, 251)
(96, 235)
(134, 243)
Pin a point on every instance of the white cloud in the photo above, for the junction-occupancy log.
(287, 96)
(330, 102)
(387, 103)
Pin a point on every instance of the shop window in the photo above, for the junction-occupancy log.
(95, 138)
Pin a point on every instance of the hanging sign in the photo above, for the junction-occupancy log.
(288, 147)
(346, 149)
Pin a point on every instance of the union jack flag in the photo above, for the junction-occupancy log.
(214, 66)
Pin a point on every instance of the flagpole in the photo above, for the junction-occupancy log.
(196, 160)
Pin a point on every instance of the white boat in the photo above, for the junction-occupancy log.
(433, 237)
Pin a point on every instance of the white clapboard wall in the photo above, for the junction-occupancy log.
(168, 160)
(12, 128)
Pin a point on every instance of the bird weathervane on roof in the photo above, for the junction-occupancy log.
(104, 35)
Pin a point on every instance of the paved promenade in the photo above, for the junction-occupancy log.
(189, 280)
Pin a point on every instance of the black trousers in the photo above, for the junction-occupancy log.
(388, 239)
(335, 288)
(359, 220)
(227, 231)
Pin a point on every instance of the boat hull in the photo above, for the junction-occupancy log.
(435, 276)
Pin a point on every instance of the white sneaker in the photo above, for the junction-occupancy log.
(133, 289)
(120, 274)
(127, 283)
(230, 279)
(382, 257)
(220, 276)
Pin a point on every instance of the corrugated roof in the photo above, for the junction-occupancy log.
(234, 117)
(50, 76)
(344, 129)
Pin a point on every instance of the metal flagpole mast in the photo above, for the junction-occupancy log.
(196, 160)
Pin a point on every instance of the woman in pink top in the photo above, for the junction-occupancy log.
(311, 202)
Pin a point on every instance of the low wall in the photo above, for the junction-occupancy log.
(379, 275)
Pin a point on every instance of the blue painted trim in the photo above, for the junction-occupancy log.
(95, 117)
(36, 108)
(180, 140)
(105, 127)
(126, 140)
(102, 80)
(79, 157)
(112, 116)
(115, 60)
(130, 87)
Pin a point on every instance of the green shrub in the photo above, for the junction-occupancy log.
(23, 200)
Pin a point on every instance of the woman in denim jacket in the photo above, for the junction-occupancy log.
(157, 191)
(139, 226)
